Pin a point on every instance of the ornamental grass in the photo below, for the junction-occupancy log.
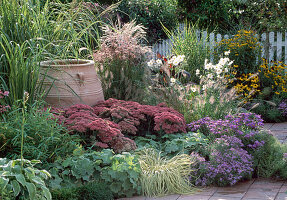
(161, 176)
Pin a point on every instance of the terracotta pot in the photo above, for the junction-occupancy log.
(71, 82)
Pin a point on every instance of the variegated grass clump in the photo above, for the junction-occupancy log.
(161, 176)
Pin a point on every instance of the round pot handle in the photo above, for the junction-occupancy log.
(80, 76)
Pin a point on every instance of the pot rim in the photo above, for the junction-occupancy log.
(70, 63)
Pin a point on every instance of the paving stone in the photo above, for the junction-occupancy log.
(267, 184)
(260, 194)
(283, 188)
(268, 125)
(281, 196)
(133, 198)
(194, 197)
(279, 126)
(225, 198)
(207, 191)
(230, 193)
(241, 186)
(169, 197)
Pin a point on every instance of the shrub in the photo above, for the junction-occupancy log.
(244, 49)
(227, 163)
(274, 75)
(151, 14)
(208, 14)
(273, 152)
(162, 176)
(120, 61)
(45, 139)
(264, 16)
(22, 179)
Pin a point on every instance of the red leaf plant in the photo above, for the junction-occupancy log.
(134, 118)
(109, 121)
(82, 119)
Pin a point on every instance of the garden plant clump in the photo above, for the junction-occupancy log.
(169, 122)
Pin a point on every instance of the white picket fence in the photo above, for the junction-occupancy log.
(274, 47)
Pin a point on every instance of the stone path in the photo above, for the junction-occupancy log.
(255, 189)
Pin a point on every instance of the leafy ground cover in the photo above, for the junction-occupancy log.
(167, 124)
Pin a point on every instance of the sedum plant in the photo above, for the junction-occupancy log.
(161, 176)
(19, 178)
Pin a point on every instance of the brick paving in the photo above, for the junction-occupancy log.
(255, 189)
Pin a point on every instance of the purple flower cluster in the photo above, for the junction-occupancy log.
(283, 108)
(245, 126)
(231, 123)
(228, 163)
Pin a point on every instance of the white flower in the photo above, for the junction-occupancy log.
(230, 63)
(193, 89)
(226, 53)
(158, 62)
(172, 80)
(218, 71)
(170, 61)
(223, 61)
(226, 69)
(208, 66)
(204, 87)
(151, 63)
(197, 72)
(176, 62)
(181, 58)
(209, 76)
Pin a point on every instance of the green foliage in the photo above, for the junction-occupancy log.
(120, 172)
(151, 14)
(95, 191)
(186, 42)
(273, 153)
(90, 191)
(69, 193)
(263, 16)
(23, 179)
(161, 176)
(267, 107)
(245, 51)
(173, 144)
(209, 14)
(44, 138)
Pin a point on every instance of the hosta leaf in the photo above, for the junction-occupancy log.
(47, 193)
(16, 187)
(21, 179)
(31, 189)
(38, 181)
(46, 173)
(3, 182)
